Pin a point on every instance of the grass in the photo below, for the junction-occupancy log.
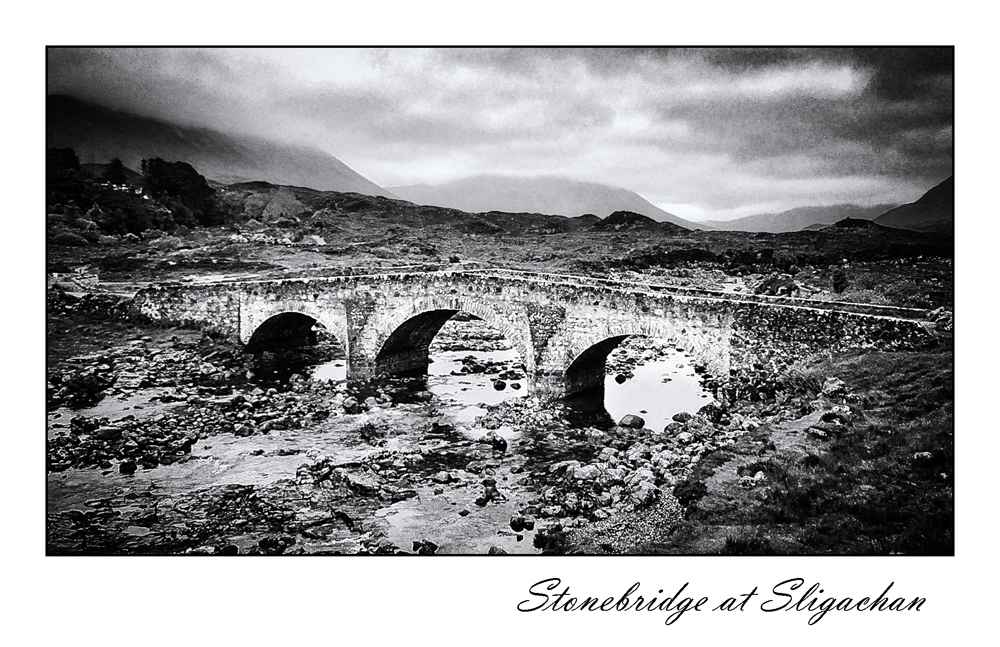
(747, 543)
(881, 485)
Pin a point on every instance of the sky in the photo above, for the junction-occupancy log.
(704, 133)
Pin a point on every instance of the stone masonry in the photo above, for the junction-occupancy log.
(563, 327)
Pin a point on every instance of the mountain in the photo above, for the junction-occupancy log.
(98, 134)
(799, 218)
(541, 194)
(934, 211)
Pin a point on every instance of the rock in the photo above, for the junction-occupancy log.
(517, 524)
(359, 484)
(642, 475)
(498, 443)
(424, 547)
(818, 432)
(834, 388)
(750, 482)
(778, 285)
(835, 417)
(620, 379)
(685, 437)
(637, 452)
(275, 545)
(587, 472)
(644, 492)
(713, 412)
(490, 492)
(632, 421)
(496, 550)
(682, 416)
(442, 477)
(499, 385)
(674, 428)
(464, 513)
(567, 467)
(127, 467)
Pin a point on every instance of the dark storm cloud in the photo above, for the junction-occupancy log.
(898, 73)
(709, 131)
(908, 138)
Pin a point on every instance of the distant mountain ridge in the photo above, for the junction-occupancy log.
(98, 134)
(934, 211)
(800, 218)
(538, 194)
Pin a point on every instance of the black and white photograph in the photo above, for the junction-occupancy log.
(487, 301)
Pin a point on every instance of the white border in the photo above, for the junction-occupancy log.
(472, 600)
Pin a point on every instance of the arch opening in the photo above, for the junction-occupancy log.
(652, 378)
(282, 331)
(292, 343)
(459, 357)
(405, 351)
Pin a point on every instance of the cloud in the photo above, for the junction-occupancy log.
(714, 129)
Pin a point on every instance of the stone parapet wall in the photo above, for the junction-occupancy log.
(385, 320)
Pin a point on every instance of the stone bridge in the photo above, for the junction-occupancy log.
(562, 326)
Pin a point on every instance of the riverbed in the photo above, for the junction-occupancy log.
(478, 465)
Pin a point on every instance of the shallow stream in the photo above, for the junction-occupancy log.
(462, 383)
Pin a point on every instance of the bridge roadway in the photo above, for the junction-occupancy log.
(563, 326)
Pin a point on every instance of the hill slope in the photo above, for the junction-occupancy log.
(98, 134)
(543, 194)
(934, 211)
(799, 218)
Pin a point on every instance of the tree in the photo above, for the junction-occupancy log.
(62, 161)
(114, 172)
(64, 182)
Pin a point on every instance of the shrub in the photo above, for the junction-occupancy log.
(689, 492)
(747, 544)
(69, 239)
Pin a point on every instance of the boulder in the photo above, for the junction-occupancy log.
(713, 412)
(834, 388)
(442, 477)
(632, 421)
(587, 472)
(644, 492)
(424, 547)
(498, 443)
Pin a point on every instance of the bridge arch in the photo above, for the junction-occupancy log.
(287, 326)
(400, 338)
(581, 364)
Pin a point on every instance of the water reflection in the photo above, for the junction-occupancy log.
(335, 371)
(657, 390)
(465, 392)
